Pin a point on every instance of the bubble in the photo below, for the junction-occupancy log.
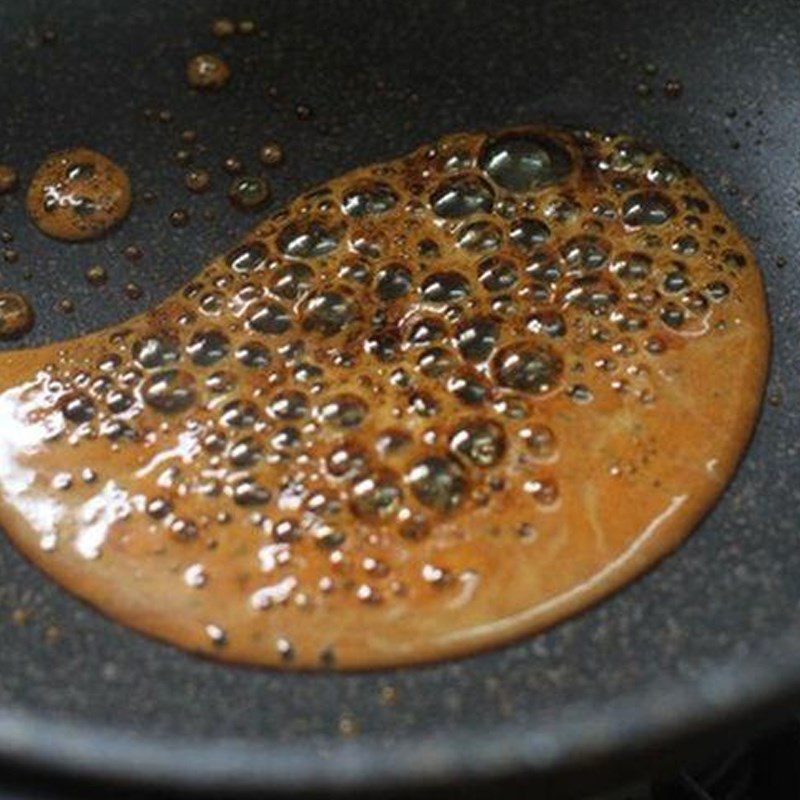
(343, 411)
(632, 267)
(207, 72)
(586, 253)
(436, 362)
(289, 405)
(672, 315)
(523, 162)
(245, 452)
(445, 287)
(78, 195)
(676, 281)
(208, 347)
(497, 274)
(292, 280)
(384, 345)
(393, 282)
(286, 530)
(468, 387)
(482, 442)
(248, 492)
(438, 482)
(593, 294)
(155, 351)
(270, 318)
(239, 414)
(346, 460)
(16, 316)
(170, 391)
(286, 439)
(426, 331)
(247, 257)
(480, 237)
(369, 199)
(527, 367)
(249, 192)
(327, 313)
(311, 240)
(528, 233)
(647, 208)
(253, 355)
(376, 496)
(686, 245)
(77, 408)
(541, 442)
(477, 338)
(717, 290)
(547, 323)
(544, 490)
(424, 404)
(118, 401)
(462, 197)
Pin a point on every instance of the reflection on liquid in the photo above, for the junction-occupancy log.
(435, 405)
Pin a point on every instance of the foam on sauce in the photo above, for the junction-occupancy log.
(434, 405)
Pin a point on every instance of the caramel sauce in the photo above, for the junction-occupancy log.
(78, 194)
(434, 405)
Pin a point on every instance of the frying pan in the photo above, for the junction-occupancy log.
(708, 640)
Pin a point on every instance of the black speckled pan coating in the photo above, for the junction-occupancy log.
(709, 637)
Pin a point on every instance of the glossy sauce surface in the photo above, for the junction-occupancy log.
(434, 405)
(78, 194)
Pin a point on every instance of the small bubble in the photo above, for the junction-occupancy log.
(438, 482)
(522, 162)
(170, 391)
(462, 197)
(482, 442)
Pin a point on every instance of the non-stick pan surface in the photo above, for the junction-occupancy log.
(709, 637)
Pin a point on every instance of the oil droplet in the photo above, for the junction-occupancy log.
(271, 154)
(207, 72)
(673, 88)
(179, 218)
(78, 194)
(8, 179)
(198, 180)
(97, 275)
(249, 193)
(223, 27)
(16, 315)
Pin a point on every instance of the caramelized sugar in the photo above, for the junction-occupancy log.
(434, 405)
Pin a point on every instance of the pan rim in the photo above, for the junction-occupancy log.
(617, 735)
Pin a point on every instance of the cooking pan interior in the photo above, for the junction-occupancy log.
(709, 635)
